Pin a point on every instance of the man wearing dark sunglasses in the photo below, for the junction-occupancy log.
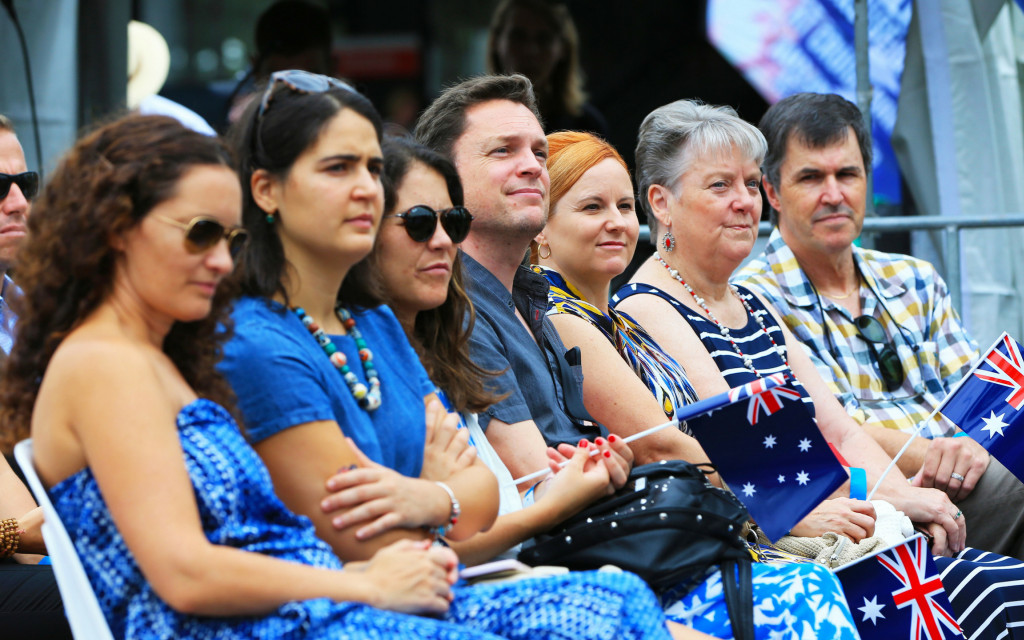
(17, 188)
(880, 327)
(490, 128)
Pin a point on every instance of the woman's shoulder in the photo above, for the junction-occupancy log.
(99, 367)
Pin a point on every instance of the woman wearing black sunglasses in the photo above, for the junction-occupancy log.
(316, 358)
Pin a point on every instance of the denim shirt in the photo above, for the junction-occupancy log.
(544, 383)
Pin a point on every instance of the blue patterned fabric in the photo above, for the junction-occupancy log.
(238, 508)
(791, 602)
(752, 340)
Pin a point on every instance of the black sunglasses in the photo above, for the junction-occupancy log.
(421, 222)
(871, 331)
(300, 82)
(203, 233)
(28, 182)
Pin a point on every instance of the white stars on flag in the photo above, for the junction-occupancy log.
(802, 478)
(872, 610)
(769, 441)
(749, 490)
(994, 424)
(805, 445)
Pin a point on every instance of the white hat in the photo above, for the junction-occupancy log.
(149, 61)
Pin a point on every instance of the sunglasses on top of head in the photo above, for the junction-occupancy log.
(202, 233)
(28, 182)
(300, 82)
(421, 222)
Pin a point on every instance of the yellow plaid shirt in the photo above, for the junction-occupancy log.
(935, 349)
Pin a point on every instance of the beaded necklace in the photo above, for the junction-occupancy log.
(368, 399)
(724, 330)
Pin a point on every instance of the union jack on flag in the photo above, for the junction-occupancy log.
(897, 593)
(988, 401)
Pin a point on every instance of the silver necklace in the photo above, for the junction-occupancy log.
(724, 330)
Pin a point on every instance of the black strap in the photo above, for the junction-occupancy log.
(739, 597)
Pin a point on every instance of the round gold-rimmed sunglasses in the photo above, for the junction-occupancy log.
(202, 233)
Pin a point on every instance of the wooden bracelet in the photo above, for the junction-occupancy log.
(10, 537)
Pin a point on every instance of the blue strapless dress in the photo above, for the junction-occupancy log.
(238, 508)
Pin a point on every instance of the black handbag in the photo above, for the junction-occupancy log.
(668, 525)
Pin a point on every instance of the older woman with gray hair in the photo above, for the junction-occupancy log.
(698, 169)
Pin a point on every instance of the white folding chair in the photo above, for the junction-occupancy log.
(83, 610)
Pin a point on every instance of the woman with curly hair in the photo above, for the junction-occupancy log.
(172, 513)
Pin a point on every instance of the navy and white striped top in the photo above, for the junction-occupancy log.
(750, 339)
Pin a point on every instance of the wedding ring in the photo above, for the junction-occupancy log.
(956, 476)
(957, 515)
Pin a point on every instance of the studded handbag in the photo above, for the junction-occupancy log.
(667, 524)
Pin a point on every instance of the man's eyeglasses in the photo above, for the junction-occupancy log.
(871, 331)
(202, 233)
(300, 82)
(28, 182)
(421, 222)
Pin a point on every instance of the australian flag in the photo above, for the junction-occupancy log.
(768, 448)
(987, 404)
(896, 593)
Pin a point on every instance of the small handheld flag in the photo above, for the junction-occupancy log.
(988, 401)
(768, 448)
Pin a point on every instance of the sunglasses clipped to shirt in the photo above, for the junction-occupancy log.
(421, 222)
(28, 182)
(871, 331)
(202, 233)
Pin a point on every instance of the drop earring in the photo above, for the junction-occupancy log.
(668, 241)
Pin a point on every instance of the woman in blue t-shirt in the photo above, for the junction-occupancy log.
(326, 380)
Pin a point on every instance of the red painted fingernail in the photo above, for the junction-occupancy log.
(612, 438)
(599, 441)
(607, 454)
(584, 443)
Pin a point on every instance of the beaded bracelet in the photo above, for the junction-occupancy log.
(10, 537)
(453, 517)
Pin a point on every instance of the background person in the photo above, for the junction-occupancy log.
(18, 186)
(539, 40)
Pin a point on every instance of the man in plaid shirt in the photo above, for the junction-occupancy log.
(880, 327)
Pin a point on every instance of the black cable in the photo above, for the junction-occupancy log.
(9, 5)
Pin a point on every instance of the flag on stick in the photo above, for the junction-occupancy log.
(768, 448)
(988, 401)
(897, 593)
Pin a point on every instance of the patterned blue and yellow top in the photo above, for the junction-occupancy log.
(665, 377)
